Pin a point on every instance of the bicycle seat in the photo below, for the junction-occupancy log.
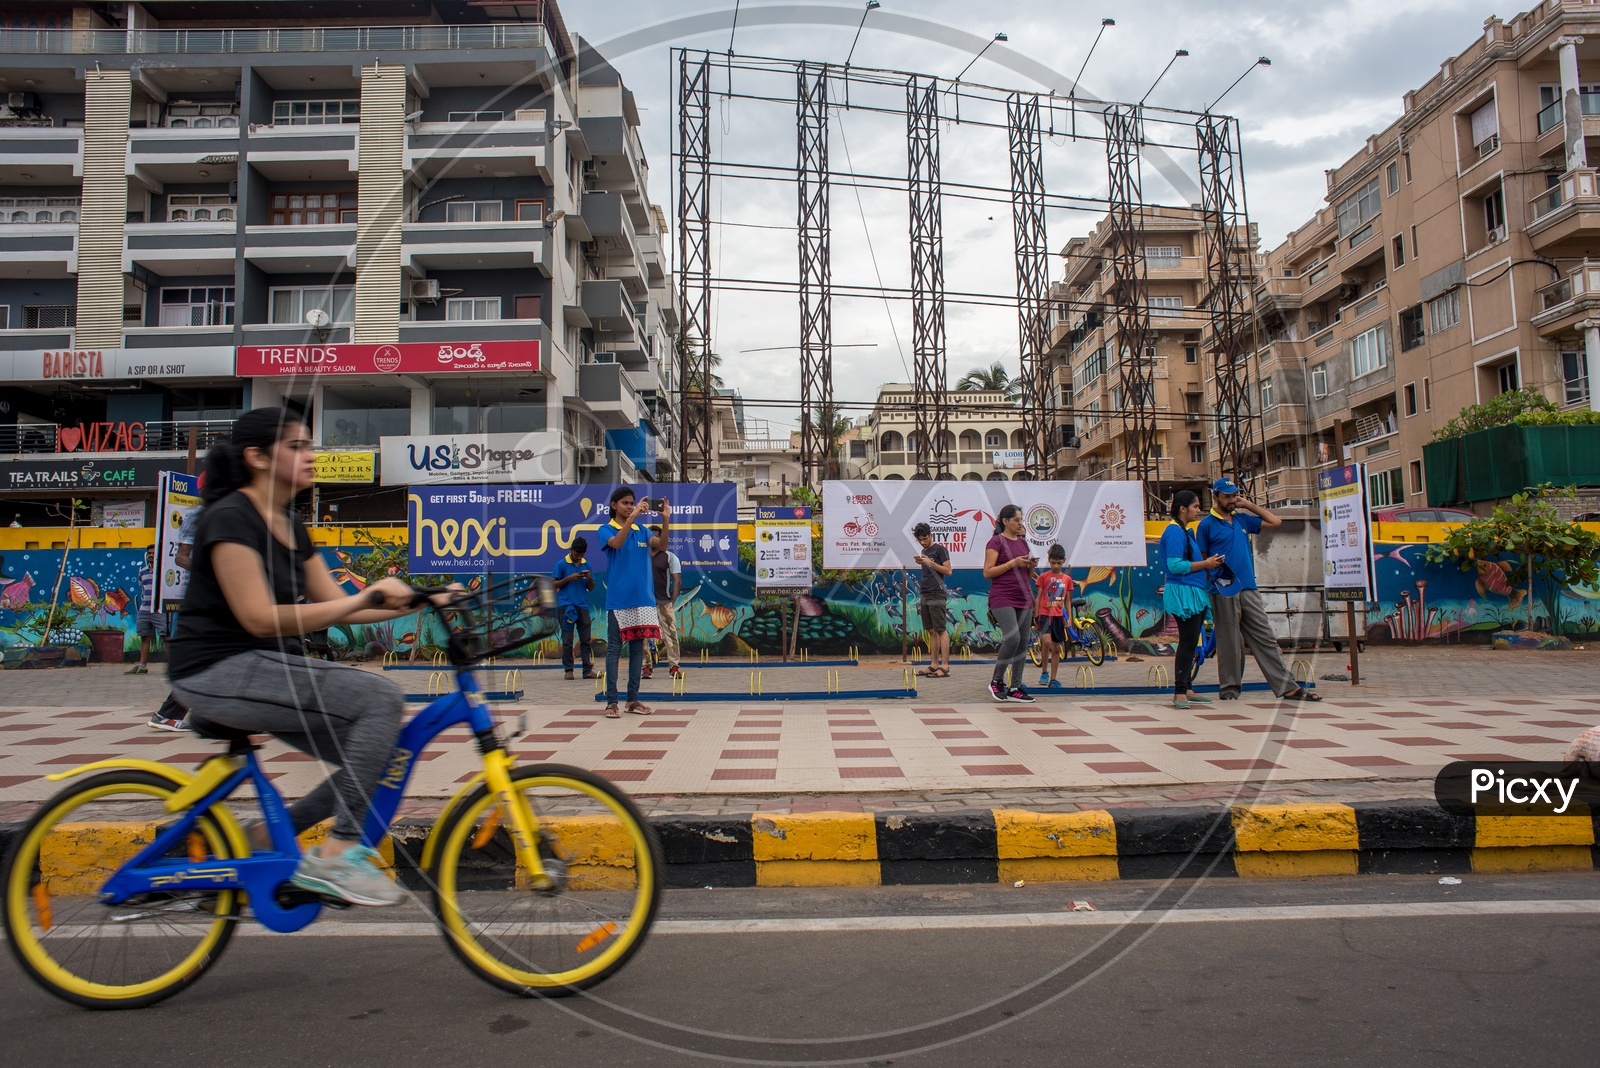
(216, 732)
(1080, 605)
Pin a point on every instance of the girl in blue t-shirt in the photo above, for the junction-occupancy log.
(1185, 594)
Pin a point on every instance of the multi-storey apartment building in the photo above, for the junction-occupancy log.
(1458, 257)
(983, 437)
(1089, 439)
(418, 219)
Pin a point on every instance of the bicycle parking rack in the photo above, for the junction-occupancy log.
(1302, 670)
(439, 682)
(1158, 676)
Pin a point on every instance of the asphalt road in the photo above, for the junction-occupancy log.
(1363, 971)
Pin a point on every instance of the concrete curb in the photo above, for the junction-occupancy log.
(1006, 845)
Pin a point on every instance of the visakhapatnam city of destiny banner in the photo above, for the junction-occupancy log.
(867, 525)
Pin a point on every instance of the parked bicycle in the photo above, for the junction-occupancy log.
(1084, 635)
(544, 879)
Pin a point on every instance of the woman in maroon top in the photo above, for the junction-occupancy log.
(1009, 567)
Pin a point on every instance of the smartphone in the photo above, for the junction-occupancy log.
(655, 504)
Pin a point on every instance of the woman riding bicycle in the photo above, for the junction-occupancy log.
(255, 587)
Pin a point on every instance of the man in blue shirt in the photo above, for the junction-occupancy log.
(1236, 606)
(151, 624)
(631, 614)
(573, 581)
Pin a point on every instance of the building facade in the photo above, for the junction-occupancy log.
(984, 437)
(1457, 257)
(427, 224)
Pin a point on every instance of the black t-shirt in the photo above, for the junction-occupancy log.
(932, 581)
(207, 630)
(661, 573)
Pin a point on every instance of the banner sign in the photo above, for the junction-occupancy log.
(444, 459)
(123, 515)
(867, 525)
(334, 358)
(783, 548)
(199, 361)
(1010, 459)
(346, 467)
(525, 529)
(177, 508)
(1346, 534)
(83, 473)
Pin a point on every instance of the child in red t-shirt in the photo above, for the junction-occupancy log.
(1055, 593)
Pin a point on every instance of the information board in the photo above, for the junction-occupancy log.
(1346, 534)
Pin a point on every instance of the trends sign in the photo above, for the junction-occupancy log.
(454, 459)
(335, 358)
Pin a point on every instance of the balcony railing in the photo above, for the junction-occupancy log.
(163, 436)
(287, 39)
(1553, 114)
(1573, 184)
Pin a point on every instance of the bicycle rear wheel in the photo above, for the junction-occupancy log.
(605, 866)
(102, 956)
(1035, 652)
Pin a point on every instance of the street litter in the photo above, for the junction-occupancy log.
(1449, 880)
(1080, 906)
(1017, 884)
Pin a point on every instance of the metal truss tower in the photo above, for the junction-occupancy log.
(1033, 273)
(1130, 296)
(1228, 286)
(927, 276)
(816, 274)
(694, 264)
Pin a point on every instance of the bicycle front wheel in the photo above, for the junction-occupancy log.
(1094, 641)
(102, 956)
(1035, 653)
(604, 866)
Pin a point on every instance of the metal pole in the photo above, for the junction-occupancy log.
(1355, 646)
(1136, 362)
(927, 277)
(816, 271)
(905, 625)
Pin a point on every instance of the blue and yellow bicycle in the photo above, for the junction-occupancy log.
(126, 886)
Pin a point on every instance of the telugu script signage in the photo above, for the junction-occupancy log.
(336, 358)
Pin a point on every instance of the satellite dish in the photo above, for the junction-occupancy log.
(317, 318)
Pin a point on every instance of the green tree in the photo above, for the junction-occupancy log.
(992, 379)
(1496, 411)
(1530, 527)
(832, 424)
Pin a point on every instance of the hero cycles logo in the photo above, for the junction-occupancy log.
(473, 456)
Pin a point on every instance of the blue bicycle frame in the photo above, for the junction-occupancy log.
(260, 875)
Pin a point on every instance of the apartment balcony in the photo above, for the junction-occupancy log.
(1283, 421)
(454, 246)
(38, 250)
(191, 249)
(158, 155)
(1568, 300)
(50, 155)
(1566, 217)
(1281, 354)
(304, 153)
(754, 447)
(1172, 268)
(607, 306)
(212, 345)
(1371, 387)
(611, 228)
(360, 39)
(617, 153)
(508, 148)
(1289, 484)
(654, 264)
(1320, 281)
(299, 249)
(1280, 293)
(605, 388)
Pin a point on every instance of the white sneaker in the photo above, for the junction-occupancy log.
(351, 876)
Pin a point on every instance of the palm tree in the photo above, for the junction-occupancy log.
(991, 379)
(831, 424)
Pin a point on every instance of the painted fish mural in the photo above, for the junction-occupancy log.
(1494, 577)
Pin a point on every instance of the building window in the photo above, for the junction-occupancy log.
(858, 450)
(1427, 394)
(201, 116)
(1410, 394)
(1485, 123)
(1416, 476)
(315, 112)
(1411, 332)
(1166, 302)
(475, 309)
(475, 116)
(528, 307)
(1414, 242)
(1163, 255)
(313, 209)
(1444, 311)
(995, 439)
(1397, 250)
(289, 305)
(1319, 381)
(1091, 413)
(1360, 208)
(1494, 215)
(1369, 352)
(1387, 488)
(1575, 377)
(473, 211)
(1191, 354)
(49, 316)
(1507, 377)
(197, 306)
(1266, 393)
(1405, 157)
(39, 209)
(1197, 452)
(195, 207)
(528, 211)
(1393, 174)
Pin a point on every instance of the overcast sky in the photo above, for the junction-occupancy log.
(1339, 69)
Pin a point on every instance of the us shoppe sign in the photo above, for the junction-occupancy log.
(268, 361)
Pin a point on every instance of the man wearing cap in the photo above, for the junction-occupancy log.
(1235, 602)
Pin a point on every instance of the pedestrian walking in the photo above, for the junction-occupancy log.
(1236, 607)
(1184, 595)
(172, 715)
(150, 623)
(1050, 615)
(631, 614)
(934, 559)
(574, 581)
(1009, 567)
(667, 572)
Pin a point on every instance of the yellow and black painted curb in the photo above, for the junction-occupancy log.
(1006, 845)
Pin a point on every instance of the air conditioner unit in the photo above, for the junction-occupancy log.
(1488, 145)
(530, 115)
(1497, 235)
(425, 289)
(591, 456)
(22, 101)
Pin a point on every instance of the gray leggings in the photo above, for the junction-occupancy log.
(1014, 624)
(340, 715)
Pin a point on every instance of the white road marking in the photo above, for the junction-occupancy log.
(1108, 918)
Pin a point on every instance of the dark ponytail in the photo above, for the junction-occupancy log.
(226, 469)
(1181, 500)
(1005, 513)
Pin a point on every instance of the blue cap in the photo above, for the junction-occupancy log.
(1224, 485)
